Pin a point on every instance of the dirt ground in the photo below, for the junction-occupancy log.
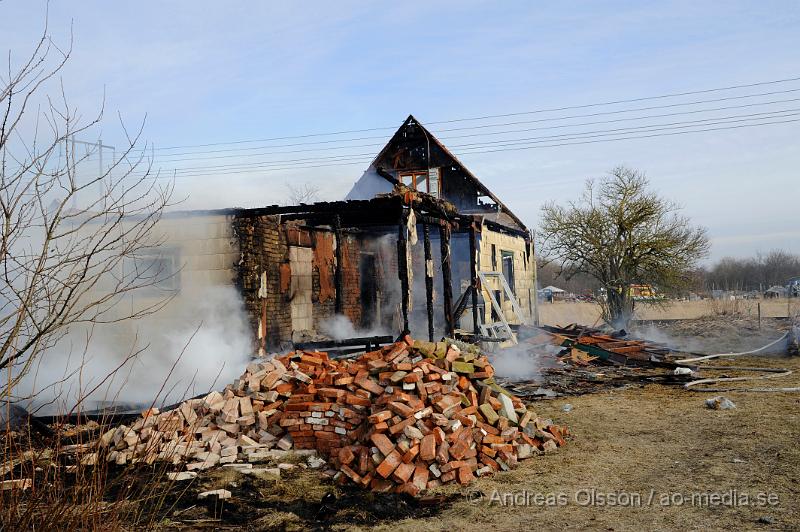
(563, 313)
(641, 457)
(714, 334)
(643, 444)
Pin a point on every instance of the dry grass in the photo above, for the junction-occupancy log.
(652, 438)
(725, 307)
(641, 440)
(68, 493)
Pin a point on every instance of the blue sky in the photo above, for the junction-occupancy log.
(212, 72)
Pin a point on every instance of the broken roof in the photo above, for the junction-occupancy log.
(411, 121)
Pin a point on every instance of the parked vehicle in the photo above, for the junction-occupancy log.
(793, 287)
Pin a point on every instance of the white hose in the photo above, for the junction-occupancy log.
(773, 373)
(783, 373)
(753, 352)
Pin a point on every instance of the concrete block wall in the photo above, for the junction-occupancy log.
(301, 307)
(524, 277)
(207, 248)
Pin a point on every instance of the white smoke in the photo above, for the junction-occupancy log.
(339, 327)
(523, 361)
(207, 324)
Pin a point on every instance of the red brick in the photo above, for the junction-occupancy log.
(412, 377)
(400, 409)
(381, 485)
(380, 416)
(346, 455)
(403, 472)
(458, 449)
(421, 476)
(398, 427)
(355, 477)
(409, 488)
(369, 385)
(465, 474)
(411, 454)
(451, 465)
(389, 464)
(443, 453)
(383, 443)
(352, 399)
(427, 449)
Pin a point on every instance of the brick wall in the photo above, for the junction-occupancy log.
(351, 278)
(263, 249)
(323, 294)
(307, 258)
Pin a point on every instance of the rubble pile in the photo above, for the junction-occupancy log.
(408, 417)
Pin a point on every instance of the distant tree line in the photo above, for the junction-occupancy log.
(749, 274)
(753, 273)
(549, 274)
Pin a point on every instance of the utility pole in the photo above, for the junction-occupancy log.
(100, 147)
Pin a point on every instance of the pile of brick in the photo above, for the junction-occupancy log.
(408, 417)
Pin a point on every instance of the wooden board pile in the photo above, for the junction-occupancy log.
(408, 417)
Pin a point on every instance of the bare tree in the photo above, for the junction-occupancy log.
(305, 193)
(70, 242)
(753, 273)
(621, 233)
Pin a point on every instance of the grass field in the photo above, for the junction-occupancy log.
(642, 444)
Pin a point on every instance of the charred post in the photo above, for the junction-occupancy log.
(337, 274)
(447, 277)
(402, 267)
(473, 272)
(426, 234)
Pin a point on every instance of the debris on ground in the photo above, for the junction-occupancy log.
(219, 494)
(713, 334)
(720, 403)
(588, 345)
(574, 360)
(408, 417)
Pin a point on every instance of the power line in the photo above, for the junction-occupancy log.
(632, 100)
(169, 158)
(487, 117)
(642, 136)
(469, 146)
(652, 127)
(571, 142)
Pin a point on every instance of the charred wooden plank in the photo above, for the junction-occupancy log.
(337, 273)
(447, 279)
(473, 271)
(426, 234)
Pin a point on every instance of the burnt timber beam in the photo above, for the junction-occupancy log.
(379, 206)
(447, 279)
(337, 274)
(402, 267)
(473, 272)
(426, 234)
(500, 228)
(368, 341)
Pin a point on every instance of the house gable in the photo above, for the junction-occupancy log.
(415, 157)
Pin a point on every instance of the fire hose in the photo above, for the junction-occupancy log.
(771, 373)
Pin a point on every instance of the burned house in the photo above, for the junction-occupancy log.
(419, 244)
